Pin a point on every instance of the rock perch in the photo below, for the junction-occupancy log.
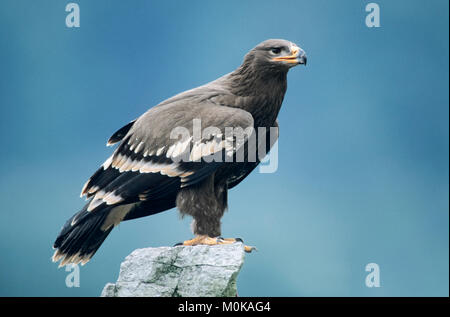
(181, 271)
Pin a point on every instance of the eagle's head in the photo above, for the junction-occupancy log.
(277, 54)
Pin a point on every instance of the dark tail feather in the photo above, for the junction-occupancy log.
(81, 236)
(85, 231)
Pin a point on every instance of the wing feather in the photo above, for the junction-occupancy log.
(146, 165)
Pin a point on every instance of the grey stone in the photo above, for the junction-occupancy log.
(186, 271)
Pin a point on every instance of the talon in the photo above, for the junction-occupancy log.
(206, 240)
(201, 239)
(249, 249)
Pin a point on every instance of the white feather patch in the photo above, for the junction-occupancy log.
(94, 204)
(139, 147)
(112, 199)
(160, 150)
(151, 167)
(83, 190)
(125, 165)
(107, 163)
(137, 165)
(170, 150)
(200, 149)
(93, 189)
(121, 159)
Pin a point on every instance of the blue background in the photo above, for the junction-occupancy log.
(363, 157)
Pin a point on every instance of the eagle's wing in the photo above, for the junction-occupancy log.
(245, 168)
(145, 172)
(152, 161)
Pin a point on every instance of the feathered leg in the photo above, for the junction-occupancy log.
(206, 202)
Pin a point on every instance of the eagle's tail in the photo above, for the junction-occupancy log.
(81, 236)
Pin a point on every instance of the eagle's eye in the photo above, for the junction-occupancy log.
(276, 50)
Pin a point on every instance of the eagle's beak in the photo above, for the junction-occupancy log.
(297, 56)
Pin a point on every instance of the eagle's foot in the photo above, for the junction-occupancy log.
(247, 248)
(206, 240)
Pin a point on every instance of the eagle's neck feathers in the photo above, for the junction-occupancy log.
(260, 90)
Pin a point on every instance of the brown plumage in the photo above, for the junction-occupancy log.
(151, 171)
